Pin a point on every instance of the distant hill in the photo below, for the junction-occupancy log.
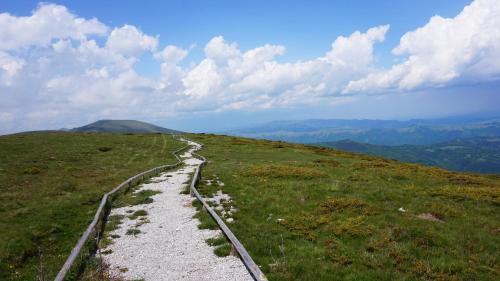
(480, 155)
(383, 132)
(123, 126)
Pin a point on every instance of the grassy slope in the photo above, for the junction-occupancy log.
(308, 213)
(51, 184)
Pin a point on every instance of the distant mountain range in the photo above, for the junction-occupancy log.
(480, 154)
(123, 126)
(383, 132)
(460, 144)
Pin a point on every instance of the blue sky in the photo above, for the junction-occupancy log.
(305, 64)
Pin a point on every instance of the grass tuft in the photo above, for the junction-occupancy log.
(344, 204)
(327, 162)
(216, 241)
(223, 250)
(113, 222)
(32, 171)
(206, 221)
(488, 194)
(138, 198)
(138, 213)
(133, 231)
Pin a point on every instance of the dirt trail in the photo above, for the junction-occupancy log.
(169, 246)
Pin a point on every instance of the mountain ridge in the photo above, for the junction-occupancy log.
(122, 126)
(383, 132)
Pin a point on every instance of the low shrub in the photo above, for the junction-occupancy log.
(327, 162)
(32, 171)
(105, 148)
(344, 204)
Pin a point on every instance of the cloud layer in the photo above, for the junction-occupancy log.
(57, 68)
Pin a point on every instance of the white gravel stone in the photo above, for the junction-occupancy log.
(170, 246)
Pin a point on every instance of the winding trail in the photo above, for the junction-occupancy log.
(169, 246)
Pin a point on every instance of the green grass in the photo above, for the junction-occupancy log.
(304, 213)
(51, 185)
(206, 221)
(221, 244)
(216, 241)
(113, 222)
(133, 231)
(130, 198)
(223, 250)
(309, 213)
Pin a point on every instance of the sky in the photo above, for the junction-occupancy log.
(218, 65)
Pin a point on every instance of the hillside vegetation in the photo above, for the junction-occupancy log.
(51, 185)
(311, 213)
(304, 212)
(474, 155)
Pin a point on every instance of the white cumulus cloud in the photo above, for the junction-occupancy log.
(129, 40)
(172, 54)
(356, 51)
(47, 22)
(445, 50)
(220, 51)
(231, 78)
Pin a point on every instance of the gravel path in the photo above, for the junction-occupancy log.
(170, 246)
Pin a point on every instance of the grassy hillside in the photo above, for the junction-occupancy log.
(304, 212)
(474, 155)
(122, 126)
(51, 184)
(310, 213)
